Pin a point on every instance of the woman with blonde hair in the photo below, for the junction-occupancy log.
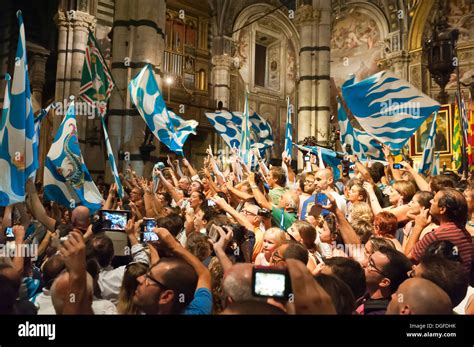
(129, 284)
(400, 194)
(361, 211)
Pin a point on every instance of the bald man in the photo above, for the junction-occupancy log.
(419, 296)
(237, 284)
(323, 179)
(79, 216)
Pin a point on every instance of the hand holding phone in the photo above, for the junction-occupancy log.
(397, 166)
(9, 234)
(271, 282)
(114, 220)
(146, 233)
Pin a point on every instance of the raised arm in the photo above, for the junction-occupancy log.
(241, 219)
(192, 171)
(349, 236)
(177, 196)
(37, 208)
(204, 276)
(419, 180)
(421, 221)
(257, 193)
(374, 202)
(78, 299)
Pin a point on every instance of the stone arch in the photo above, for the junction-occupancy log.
(417, 29)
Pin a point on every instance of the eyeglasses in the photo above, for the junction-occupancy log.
(149, 278)
(246, 212)
(372, 265)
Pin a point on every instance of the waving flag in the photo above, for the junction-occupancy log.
(113, 165)
(388, 108)
(169, 128)
(362, 144)
(96, 81)
(244, 149)
(66, 178)
(19, 151)
(428, 152)
(289, 129)
(326, 155)
(457, 139)
(39, 118)
(228, 124)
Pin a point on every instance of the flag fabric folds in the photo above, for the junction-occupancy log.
(362, 144)
(96, 82)
(113, 165)
(388, 108)
(66, 178)
(470, 146)
(228, 124)
(96, 87)
(457, 139)
(244, 149)
(168, 127)
(427, 163)
(330, 157)
(288, 130)
(19, 151)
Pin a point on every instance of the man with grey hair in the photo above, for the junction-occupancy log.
(237, 285)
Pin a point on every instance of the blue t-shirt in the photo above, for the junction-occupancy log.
(201, 304)
(320, 198)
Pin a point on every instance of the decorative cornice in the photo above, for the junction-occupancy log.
(77, 19)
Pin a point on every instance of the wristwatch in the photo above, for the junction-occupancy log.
(253, 186)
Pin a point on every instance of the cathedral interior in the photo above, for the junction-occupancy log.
(206, 54)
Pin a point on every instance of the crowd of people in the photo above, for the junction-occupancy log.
(377, 240)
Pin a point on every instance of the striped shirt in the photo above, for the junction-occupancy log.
(448, 232)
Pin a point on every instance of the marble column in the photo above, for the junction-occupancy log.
(324, 57)
(138, 39)
(221, 79)
(306, 20)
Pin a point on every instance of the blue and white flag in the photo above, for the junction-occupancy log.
(228, 124)
(244, 149)
(66, 178)
(428, 151)
(388, 108)
(19, 152)
(113, 165)
(436, 170)
(362, 144)
(39, 118)
(169, 128)
(326, 155)
(289, 129)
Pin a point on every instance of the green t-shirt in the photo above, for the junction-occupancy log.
(283, 219)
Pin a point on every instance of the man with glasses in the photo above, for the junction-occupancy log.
(386, 269)
(177, 285)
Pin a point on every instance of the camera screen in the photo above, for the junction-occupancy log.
(148, 234)
(9, 232)
(270, 284)
(118, 220)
